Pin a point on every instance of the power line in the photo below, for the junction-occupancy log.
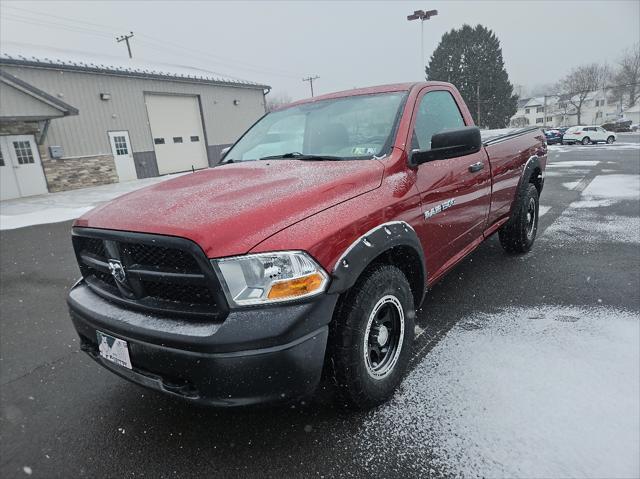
(188, 51)
(50, 15)
(54, 25)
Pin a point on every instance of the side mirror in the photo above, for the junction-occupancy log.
(450, 144)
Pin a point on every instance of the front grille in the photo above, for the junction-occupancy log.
(161, 257)
(167, 275)
(179, 293)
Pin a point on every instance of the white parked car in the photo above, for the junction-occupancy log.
(587, 135)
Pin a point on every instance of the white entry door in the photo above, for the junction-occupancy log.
(122, 155)
(20, 167)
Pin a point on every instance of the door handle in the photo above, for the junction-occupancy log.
(476, 167)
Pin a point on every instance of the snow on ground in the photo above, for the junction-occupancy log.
(542, 210)
(573, 164)
(67, 205)
(623, 187)
(539, 392)
(582, 223)
(599, 146)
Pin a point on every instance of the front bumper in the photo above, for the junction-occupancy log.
(256, 355)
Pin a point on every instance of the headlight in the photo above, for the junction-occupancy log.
(271, 277)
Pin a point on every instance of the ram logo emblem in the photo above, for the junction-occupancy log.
(117, 270)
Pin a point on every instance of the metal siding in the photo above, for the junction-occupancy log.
(86, 133)
(15, 103)
(146, 164)
(215, 153)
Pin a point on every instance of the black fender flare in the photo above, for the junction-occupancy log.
(529, 167)
(369, 246)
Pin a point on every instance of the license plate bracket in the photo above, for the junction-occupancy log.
(114, 350)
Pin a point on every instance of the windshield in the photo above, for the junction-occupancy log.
(357, 127)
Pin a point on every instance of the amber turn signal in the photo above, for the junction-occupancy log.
(296, 287)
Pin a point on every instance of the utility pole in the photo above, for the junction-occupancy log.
(125, 38)
(478, 104)
(544, 110)
(422, 16)
(310, 80)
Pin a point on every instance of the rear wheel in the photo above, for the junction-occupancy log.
(519, 233)
(610, 140)
(586, 140)
(371, 337)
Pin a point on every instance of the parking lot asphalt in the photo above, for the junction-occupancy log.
(64, 416)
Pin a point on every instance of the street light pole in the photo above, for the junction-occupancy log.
(422, 16)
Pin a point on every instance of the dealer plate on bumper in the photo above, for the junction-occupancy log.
(113, 349)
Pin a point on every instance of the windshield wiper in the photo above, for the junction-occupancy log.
(300, 156)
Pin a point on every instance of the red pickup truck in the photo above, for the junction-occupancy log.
(306, 250)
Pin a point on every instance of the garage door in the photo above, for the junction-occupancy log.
(177, 132)
(20, 168)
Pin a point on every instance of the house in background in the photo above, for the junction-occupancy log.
(633, 114)
(531, 112)
(559, 110)
(70, 120)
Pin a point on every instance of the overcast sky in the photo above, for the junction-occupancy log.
(348, 44)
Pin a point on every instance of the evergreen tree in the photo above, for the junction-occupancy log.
(471, 59)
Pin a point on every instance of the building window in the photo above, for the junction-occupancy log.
(540, 109)
(177, 139)
(1, 159)
(120, 143)
(195, 138)
(158, 141)
(23, 152)
(599, 114)
(540, 120)
(549, 118)
(526, 110)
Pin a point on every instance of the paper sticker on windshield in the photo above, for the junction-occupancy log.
(363, 150)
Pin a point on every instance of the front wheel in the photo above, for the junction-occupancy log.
(519, 233)
(371, 337)
(610, 140)
(586, 140)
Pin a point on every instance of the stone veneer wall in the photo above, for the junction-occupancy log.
(67, 173)
(19, 128)
(73, 173)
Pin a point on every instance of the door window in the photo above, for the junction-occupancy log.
(120, 143)
(23, 152)
(437, 111)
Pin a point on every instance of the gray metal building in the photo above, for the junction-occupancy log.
(69, 121)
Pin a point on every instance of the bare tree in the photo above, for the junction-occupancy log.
(627, 76)
(276, 101)
(580, 82)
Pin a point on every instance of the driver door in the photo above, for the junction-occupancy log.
(455, 193)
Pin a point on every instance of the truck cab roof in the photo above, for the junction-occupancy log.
(388, 88)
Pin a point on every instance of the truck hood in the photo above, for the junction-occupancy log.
(229, 209)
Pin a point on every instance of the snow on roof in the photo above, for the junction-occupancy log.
(633, 109)
(30, 55)
(535, 101)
